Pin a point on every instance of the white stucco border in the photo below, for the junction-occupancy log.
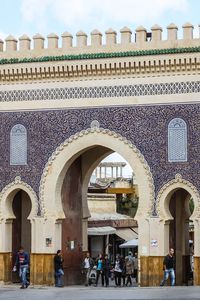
(58, 163)
(7, 194)
(168, 189)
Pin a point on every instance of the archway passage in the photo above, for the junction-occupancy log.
(57, 187)
(72, 224)
(181, 237)
(21, 226)
(74, 190)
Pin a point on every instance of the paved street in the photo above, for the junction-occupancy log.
(98, 293)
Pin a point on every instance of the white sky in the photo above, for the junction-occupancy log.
(45, 16)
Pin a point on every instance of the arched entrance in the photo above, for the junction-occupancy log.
(18, 207)
(66, 178)
(21, 226)
(180, 232)
(180, 235)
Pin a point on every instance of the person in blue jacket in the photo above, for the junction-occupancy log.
(99, 264)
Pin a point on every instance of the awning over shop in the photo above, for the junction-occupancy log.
(101, 230)
(130, 244)
(127, 234)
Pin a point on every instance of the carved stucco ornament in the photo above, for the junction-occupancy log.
(19, 184)
(169, 185)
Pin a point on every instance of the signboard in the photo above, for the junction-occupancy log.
(154, 243)
(48, 242)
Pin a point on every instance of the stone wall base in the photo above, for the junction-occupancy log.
(196, 270)
(6, 267)
(151, 270)
(42, 269)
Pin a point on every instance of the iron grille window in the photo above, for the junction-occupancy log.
(177, 140)
(18, 145)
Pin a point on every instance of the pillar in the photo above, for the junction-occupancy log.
(179, 237)
(67, 39)
(120, 171)
(116, 172)
(96, 38)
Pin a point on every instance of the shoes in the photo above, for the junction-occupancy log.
(22, 287)
(27, 284)
(59, 286)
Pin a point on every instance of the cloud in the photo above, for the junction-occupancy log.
(84, 14)
(33, 9)
(35, 13)
(3, 35)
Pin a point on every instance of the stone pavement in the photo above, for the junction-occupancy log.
(13, 292)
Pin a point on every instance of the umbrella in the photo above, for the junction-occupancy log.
(130, 244)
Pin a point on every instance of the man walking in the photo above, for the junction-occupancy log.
(168, 268)
(106, 269)
(22, 264)
(129, 264)
(58, 266)
(87, 266)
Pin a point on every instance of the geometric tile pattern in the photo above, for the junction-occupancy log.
(146, 126)
(101, 91)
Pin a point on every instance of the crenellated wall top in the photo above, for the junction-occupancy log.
(126, 40)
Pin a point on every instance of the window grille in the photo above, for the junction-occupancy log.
(177, 140)
(18, 145)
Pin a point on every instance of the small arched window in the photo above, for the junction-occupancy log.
(18, 145)
(177, 140)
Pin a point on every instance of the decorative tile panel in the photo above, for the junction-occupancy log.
(101, 91)
(177, 140)
(145, 126)
(18, 145)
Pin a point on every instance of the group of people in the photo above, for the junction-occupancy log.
(123, 270)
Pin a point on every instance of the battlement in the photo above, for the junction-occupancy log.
(141, 39)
